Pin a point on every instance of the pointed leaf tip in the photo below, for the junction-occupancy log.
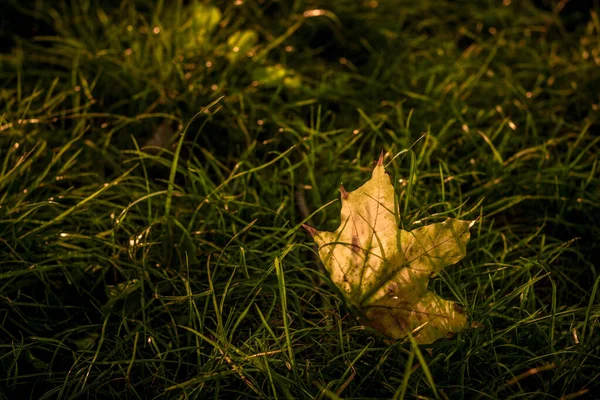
(312, 231)
(380, 161)
(343, 192)
(476, 220)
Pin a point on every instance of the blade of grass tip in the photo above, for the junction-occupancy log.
(403, 152)
(276, 42)
(428, 376)
(411, 175)
(495, 152)
(553, 314)
(442, 184)
(226, 292)
(295, 228)
(203, 337)
(190, 255)
(282, 294)
(220, 329)
(146, 178)
(401, 391)
(241, 232)
(326, 391)
(78, 205)
(255, 292)
(266, 325)
(123, 213)
(130, 366)
(371, 123)
(350, 372)
(22, 163)
(55, 159)
(12, 369)
(97, 353)
(176, 158)
(194, 315)
(37, 270)
(589, 309)
(66, 381)
(243, 173)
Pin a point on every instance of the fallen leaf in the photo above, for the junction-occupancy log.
(383, 271)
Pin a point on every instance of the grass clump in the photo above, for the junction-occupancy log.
(157, 162)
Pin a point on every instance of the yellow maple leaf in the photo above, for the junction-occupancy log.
(383, 271)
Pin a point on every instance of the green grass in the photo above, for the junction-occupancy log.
(181, 271)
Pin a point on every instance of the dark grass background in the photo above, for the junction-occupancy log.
(148, 254)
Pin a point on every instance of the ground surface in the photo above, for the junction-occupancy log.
(149, 255)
